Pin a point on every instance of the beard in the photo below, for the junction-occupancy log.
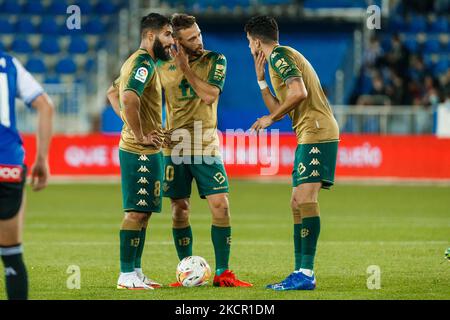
(194, 53)
(161, 52)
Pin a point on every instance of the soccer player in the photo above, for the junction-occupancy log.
(15, 81)
(300, 96)
(192, 82)
(137, 97)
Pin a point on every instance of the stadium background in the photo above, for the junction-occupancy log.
(389, 89)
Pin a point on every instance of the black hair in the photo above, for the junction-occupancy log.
(264, 28)
(153, 21)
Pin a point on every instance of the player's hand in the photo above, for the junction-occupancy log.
(39, 175)
(261, 124)
(152, 139)
(180, 56)
(260, 66)
(167, 138)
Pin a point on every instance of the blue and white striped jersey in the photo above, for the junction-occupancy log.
(15, 82)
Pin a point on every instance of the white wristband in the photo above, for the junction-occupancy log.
(262, 84)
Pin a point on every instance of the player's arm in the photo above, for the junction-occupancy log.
(206, 91)
(113, 97)
(40, 171)
(32, 93)
(270, 100)
(296, 93)
(131, 104)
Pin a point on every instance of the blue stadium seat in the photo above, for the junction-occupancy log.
(21, 45)
(2, 47)
(439, 25)
(6, 26)
(66, 66)
(90, 65)
(95, 26)
(432, 46)
(441, 67)
(34, 7)
(417, 24)
(50, 45)
(78, 45)
(412, 45)
(36, 65)
(105, 7)
(85, 6)
(49, 26)
(52, 79)
(24, 25)
(11, 7)
(58, 7)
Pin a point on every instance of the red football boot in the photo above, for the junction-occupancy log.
(228, 279)
(175, 285)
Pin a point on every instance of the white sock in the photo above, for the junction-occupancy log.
(127, 273)
(307, 272)
(138, 270)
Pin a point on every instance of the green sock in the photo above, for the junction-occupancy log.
(310, 234)
(140, 248)
(221, 239)
(16, 279)
(129, 243)
(183, 241)
(297, 245)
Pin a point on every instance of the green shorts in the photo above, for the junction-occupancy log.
(141, 176)
(208, 172)
(315, 162)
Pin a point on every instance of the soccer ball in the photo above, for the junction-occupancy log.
(193, 271)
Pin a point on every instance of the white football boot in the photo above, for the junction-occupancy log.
(146, 280)
(131, 281)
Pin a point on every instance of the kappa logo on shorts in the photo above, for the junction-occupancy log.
(314, 162)
(314, 173)
(10, 173)
(143, 180)
(142, 191)
(143, 169)
(301, 168)
(314, 150)
(143, 157)
(142, 203)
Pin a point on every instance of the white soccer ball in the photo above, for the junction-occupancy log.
(193, 271)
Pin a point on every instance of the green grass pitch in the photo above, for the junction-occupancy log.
(404, 230)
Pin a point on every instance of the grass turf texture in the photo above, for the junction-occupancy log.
(404, 230)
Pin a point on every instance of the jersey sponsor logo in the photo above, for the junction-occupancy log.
(143, 157)
(301, 168)
(314, 173)
(283, 66)
(219, 72)
(143, 169)
(142, 203)
(142, 191)
(10, 173)
(143, 180)
(141, 74)
(314, 150)
(314, 162)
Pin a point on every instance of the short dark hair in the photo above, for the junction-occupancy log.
(153, 21)
(265, 28)
(181, 21)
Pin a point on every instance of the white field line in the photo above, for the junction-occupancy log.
(239, 243)
(384, 181)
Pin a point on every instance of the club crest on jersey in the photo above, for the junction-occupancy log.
(141, 74)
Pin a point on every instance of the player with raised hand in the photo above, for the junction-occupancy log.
(15, 81)
(300, 96)
(137, 97)
(193, 81)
